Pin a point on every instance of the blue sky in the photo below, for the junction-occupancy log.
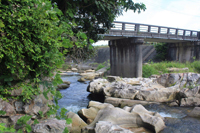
(184, 14)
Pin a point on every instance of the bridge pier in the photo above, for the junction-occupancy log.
(183, 51)
(126, 57)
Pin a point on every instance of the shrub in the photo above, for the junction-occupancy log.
(196, 66)
(100, 66)
(148, 70)
(161, 50)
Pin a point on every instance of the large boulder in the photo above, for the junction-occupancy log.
(108, 127)
(39, 103)
(195, 112)
(135, 117)
(89, 114)
(180, 88)
(134, 89)
(97, 86)
(77, 123)
(49, 126)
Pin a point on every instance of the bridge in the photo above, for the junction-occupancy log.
(125, 40)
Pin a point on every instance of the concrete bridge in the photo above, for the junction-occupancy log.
(125, 41)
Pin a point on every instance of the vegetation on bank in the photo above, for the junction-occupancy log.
(162, 67)
(36, 34)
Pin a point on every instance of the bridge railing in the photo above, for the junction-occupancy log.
(137, 27)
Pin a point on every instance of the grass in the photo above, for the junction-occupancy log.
(100, 66)
(161, 67)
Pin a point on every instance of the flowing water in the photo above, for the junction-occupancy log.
(76, 97)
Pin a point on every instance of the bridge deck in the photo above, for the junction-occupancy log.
(150, 33)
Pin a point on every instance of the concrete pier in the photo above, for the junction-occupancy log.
(126, 57)
(183, 51)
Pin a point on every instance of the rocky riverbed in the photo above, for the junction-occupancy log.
(176, 89)
(165, 103)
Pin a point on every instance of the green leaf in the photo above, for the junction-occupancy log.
(36, 121)
(28, 128)
(63, 111)
(59, 38)
(69, 120)
(1, 24)
(2, 112)
(66, 130)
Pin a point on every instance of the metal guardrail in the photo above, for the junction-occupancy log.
(153, 29)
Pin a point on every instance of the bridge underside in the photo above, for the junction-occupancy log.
(126, 55)
(145, 39)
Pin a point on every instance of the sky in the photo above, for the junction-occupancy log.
(183, 14)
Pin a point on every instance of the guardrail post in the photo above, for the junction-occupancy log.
(137, 27)
(191, 33)
(123, 26)
(168, 30)
(159, 28)
(184, 32)
(198, 35)
(176, 33)
(149, 28)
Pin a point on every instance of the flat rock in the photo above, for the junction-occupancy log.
(74, 70)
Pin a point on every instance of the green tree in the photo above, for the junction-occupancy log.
(94, 17)
(33, 32)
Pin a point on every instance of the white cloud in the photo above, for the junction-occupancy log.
(184, 14)
(177, 13)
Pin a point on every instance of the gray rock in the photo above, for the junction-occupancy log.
(7, 107)
(66, 82)
(190, 101)
(182, 88)
(81, 79)
(97, 86)
(195, 112)
(63, 86)
(108, 127)
(19, 106)
(77, 123)
(138, 117)
(49, 126)
(40, 103)
(6, 121)
(163, 79)
(16, 92)
(113, 78)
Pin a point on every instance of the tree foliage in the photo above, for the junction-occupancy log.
(31, 34)
(161, 50)
(94, 17)
(34, 35)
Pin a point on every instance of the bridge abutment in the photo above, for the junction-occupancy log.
(126, 57)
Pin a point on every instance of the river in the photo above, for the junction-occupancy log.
(76, 97)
